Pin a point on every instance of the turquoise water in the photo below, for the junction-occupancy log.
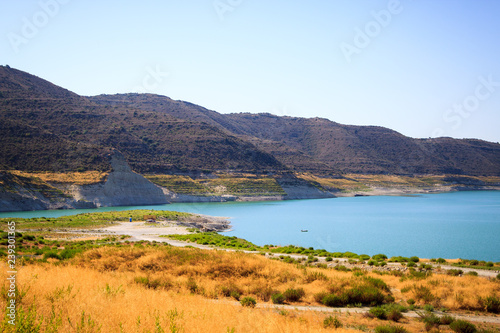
(448, 225)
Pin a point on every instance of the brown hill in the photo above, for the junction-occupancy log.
(45, 127)
(322, 146)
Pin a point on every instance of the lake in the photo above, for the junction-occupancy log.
(448, 225)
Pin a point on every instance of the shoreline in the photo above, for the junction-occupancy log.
(159, 232)
(373, 191)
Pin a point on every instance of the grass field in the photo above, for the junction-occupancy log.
(89, 220)
(156, 288)
(112, 285)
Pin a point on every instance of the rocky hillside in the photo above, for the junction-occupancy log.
(323, 146)
(45, 127)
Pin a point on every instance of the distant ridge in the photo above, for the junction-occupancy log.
(47, 128)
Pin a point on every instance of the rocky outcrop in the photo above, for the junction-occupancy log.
(123, 187)
(296, 188)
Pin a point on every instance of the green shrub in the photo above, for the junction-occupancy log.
(328, 258)
(230, 290)
(332, 322)
(278, 298)
(364, 257)
(472, 273)
(390, 329)
(293, 295)
(236, 295)
(423, 293)
(394, 314)
(414, 259)
(332, 300)
(248, 301)
(149, 283)
(430, 320)
(490, 304)
(388, 311)
(462, 326)
(68, 253)
(379, 257)
(378, 312)
(446, 320)
(411, 264)
(192, 285)
(377, 283)
(454, 272)
(428, 308)
(365, 295)
(51, 254)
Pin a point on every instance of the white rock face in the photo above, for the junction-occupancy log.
(123, 187)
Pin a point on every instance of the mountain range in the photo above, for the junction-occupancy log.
(62, 150)
(48, 128)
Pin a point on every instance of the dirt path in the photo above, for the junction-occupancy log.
(141, 231)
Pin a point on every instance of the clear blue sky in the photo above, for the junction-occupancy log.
(424, 68)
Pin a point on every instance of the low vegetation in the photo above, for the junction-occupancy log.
(77, 178)
(89, 220)
(220, 184)
(140, 287)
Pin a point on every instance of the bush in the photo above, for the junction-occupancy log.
(366, 295)
(490, 304)
(248, 301)
(328, 258)
(332, 322)
(414, 259)
(394, 314)
(236, 295)
(192, 285)
(391, 312)
(462, 326)
(446, 320)
(423, 293)
(278, 298)
(378, 312)
(293, 295)
(364, 257)
(377, 283)
(430, 320)
(454, 272)
(379, 257)
(333, 301)
(51, 254)
(428, 308)
(390, 329)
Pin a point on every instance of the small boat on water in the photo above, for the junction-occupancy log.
(304, 230)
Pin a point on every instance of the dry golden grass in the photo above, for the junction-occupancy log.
(137, 289)
(342, 184)
(77, 178)
(107, 300)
